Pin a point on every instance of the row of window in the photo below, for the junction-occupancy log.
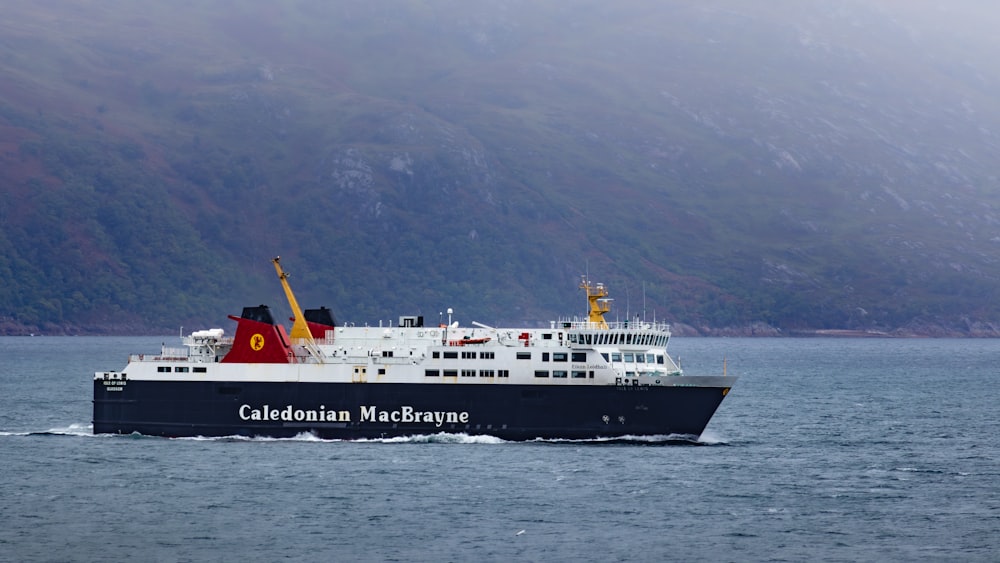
(467, 373)
(618, 338)
(472, 355)
(630, 357)
(577, 374)
(578, 357)
(180, 369)
(465, 355)
(556, 356)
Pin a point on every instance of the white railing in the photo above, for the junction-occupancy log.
(633, 325)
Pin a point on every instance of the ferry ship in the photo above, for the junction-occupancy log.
(578, 379)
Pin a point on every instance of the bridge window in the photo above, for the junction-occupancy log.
(616, 356)
(629, 357)
(581, 357)
(659, 360)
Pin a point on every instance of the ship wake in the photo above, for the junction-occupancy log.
(706, 439)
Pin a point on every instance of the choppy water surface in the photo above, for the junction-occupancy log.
(826, 449)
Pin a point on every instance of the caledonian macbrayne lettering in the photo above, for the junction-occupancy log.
(367, 413)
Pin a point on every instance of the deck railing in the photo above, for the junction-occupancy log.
(633, 325)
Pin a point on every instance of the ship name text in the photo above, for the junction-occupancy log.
(368, 413)
(409, 414)
(589, 366)
(290, 413)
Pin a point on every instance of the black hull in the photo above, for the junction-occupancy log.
(355, 411)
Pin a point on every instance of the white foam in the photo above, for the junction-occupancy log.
(641, 439)
(300, 437)
(710, 438)
(75, 429)
(707, 438)
(439, 438)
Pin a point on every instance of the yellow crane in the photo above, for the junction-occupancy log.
(300, 330)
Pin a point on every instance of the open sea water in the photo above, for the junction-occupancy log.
(825, 450)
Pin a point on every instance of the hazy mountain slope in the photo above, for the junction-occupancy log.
(794, 164)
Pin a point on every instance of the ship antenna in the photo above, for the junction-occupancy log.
(628, 303)
(644, 301)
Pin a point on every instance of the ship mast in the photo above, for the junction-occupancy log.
(597, 297)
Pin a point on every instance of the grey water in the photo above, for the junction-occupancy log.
(825, 450)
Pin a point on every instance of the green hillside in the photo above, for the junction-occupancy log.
(793, 167)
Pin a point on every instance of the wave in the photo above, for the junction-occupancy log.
(462, 438)
(651, 440)
(75, 429)
(710, 438)
(439, 438)
(706, 439)
(300, 437)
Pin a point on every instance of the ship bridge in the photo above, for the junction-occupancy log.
(597, 331)
(623, 334)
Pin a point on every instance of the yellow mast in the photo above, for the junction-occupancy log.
(597, 298)
(299, 328)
